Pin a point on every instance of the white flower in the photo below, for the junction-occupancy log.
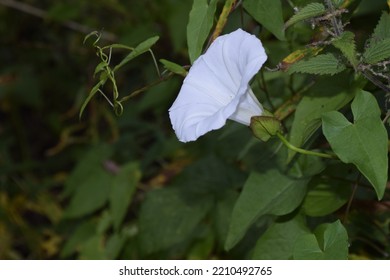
(217, 87)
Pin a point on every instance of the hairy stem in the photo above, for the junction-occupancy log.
(336, 23)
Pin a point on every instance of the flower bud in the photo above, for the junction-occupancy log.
(264, 127)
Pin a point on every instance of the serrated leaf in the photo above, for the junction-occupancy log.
(138, 50)
(277, 243)
(326, 95)
(199, 26)
(328, 242)
(362, 143)
(377, 51)
(299, 55)
(346, 44)
(271, 192)
(323, 64)
(382, 30)
(269, 14)
(174, 68)
(121, 193)
(339, 3)
(307, 12)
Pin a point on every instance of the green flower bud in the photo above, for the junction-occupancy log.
(264, 127)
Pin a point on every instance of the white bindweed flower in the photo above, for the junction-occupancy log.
(217, 87)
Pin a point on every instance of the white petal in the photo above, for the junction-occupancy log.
(248, 107)
(217, 84)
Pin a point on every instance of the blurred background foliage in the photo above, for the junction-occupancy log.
(108, 187)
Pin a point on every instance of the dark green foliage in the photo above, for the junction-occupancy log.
(117, 184)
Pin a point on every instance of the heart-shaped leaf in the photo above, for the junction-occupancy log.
(278, 242)
(271, 192)
(328, 242)
(362, 143)
(327, 95)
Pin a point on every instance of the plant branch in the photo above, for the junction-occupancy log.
(355, 186)
(145, 88)
(264, 88)
(337, 25)
(375, 81)
(34, 11)
(226, 10)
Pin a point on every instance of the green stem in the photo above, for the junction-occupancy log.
(302, 151)
(141, 90)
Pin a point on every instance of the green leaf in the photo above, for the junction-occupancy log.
(199, 26)
(92, 93)
(309, 11)
(87, 165)
(346, 44)
(82, 233)
(138, 50)
(269, 14)
(222, 215)
(338, 3)
(327, 94)
(114, 246)
(122, 190)
(323, 64)
(93, 249)
(200, 177)
(382, 30)
(91, 195)
(277, 243)
(271, 192)
(169, 216)
(89, 183)
(306, 166)
(174, 68)
(362, 143)
(377, 51)
(325, 196)
(328, 242)
(100, 67)
(104, 222)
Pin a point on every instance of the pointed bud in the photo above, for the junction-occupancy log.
(264, 127)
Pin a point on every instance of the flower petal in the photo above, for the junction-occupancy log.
(248, 107)
(217, 84)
